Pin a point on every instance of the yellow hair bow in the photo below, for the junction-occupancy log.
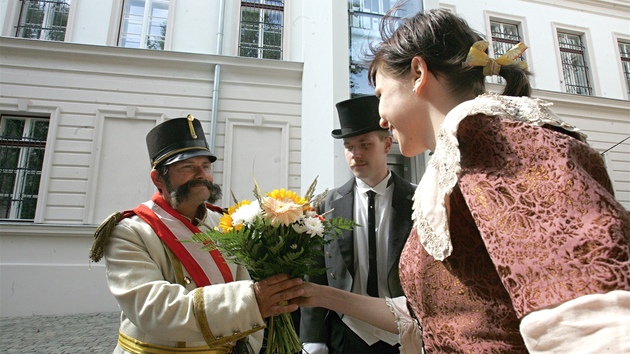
(477, 57)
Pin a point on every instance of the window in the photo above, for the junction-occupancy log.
(364, 18)
(574, 66)
(624, 53)
(22, 144)
(504, 37)
(43, 19)
(364, 21)
(144, 24)
(261, 29)
(378, 7)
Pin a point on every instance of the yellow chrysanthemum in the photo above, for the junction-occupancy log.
(234, 207)
(286, 196)
(225, 223)
(283, 207)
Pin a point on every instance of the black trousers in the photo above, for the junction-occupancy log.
(344, 341)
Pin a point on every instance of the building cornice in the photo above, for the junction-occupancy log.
(18, 229)
(580, 105)
(77, 51)
(615, 8)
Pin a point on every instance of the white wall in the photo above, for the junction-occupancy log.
(89, 21)
(44, 270)
(605, 116)
(599, 20)
(102, 101)
(324, 43)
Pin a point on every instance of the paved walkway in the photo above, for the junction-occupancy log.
(94, 333)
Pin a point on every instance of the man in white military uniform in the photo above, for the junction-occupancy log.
(175, 297)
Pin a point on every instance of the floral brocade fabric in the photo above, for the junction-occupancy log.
(533, 223)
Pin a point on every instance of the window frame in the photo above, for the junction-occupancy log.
(22, 169)
(47, 18)
(146, 23)
(521, 26)
(260, 49)
(625, 84)
(589, 58)
(581, 81)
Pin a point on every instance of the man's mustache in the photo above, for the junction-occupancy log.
(181, 193)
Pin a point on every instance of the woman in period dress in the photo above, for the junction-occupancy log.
(518, 242)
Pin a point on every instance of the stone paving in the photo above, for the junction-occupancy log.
(94, 333)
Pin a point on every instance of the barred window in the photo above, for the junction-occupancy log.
(504, 36)
(143, 24)
(22, 145)
(624, 53)
(574, 66)
(43, 19)
(261, 29)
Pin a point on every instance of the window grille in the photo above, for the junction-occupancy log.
(22, 145)
(624, 53)
(261, 29)
(574, 66)
(43, 19)
(504, 37)
(143, 24)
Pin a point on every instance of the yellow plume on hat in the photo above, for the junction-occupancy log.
(190, 126)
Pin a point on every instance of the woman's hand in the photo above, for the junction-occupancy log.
(312, 296)
(372, 310)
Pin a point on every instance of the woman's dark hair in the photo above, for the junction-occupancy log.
(443, 40)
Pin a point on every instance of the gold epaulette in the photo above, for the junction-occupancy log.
(102, 234)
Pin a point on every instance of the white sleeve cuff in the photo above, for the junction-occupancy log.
(596, 323)
(315, 348)
(409, 330)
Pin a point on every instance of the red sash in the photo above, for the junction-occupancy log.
(167, 223)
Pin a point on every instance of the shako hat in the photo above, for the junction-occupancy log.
(177, 139)
(357, 116)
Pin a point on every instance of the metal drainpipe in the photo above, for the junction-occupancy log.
(217, 80)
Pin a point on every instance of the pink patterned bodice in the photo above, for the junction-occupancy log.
(532, 223)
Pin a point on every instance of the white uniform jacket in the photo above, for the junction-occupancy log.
(161, 305)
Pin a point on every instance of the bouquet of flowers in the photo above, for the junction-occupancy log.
(278, 232)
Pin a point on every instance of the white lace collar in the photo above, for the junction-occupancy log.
(429, 211)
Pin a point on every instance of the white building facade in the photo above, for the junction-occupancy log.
(80, 92)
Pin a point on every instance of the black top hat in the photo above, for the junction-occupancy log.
(176, 140)
(357, 116)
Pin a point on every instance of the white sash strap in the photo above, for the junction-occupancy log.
(182, 232)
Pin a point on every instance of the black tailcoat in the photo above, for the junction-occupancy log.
(317, 325)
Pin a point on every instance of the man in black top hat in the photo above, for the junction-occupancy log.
(364, 260)
(175, 297)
